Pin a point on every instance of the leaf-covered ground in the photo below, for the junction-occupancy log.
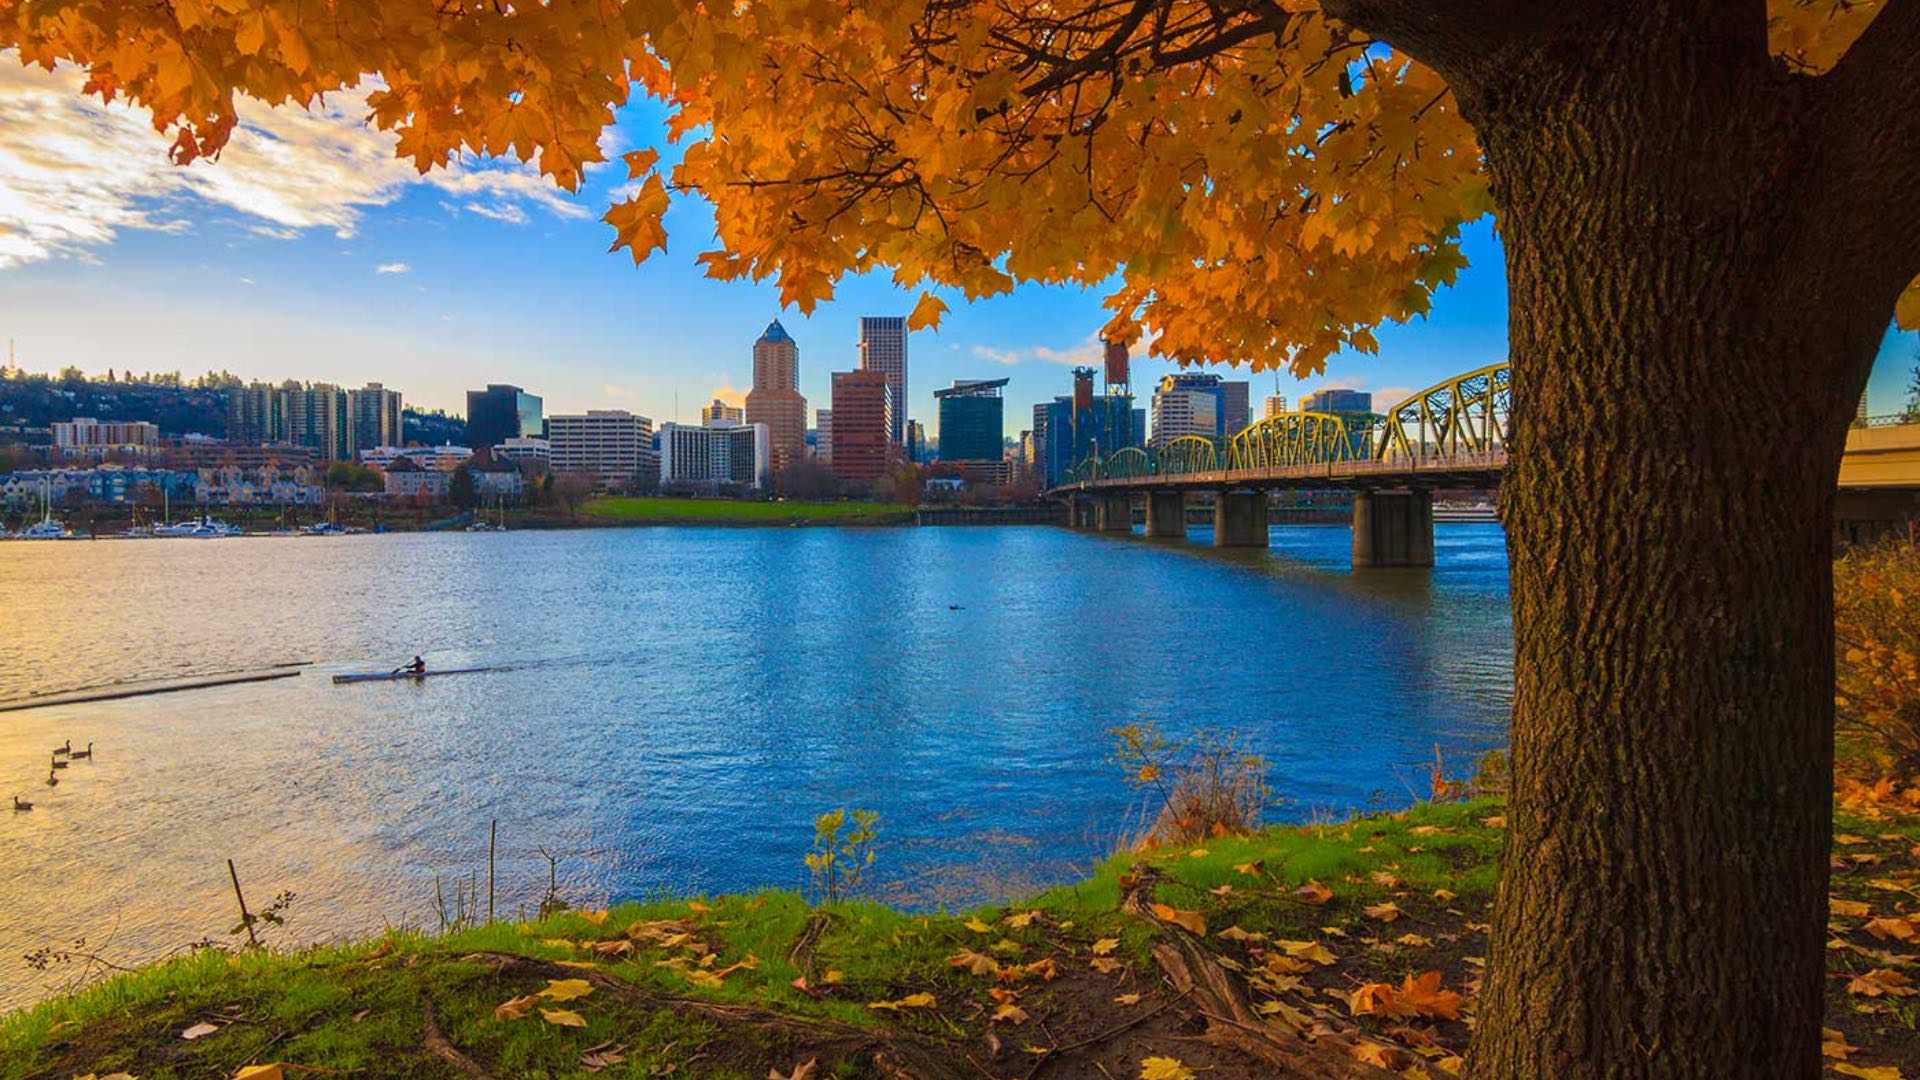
(1347, 950)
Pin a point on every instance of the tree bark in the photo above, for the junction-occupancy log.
(1689, 338)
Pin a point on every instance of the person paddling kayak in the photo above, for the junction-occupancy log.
(418, 667)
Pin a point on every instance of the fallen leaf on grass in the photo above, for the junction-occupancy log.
(1127, 999)
(198, 1030)
(1106, 965)
(1896, 929)
(1385, 880)
(1498, 821)
(595, 917)
(1877, 1072)
(1197, 853)
(1882, 981)
(109, 1076)
(922, 1000)
(616, 947)
(566, 989)
(1444, 895)
(1021, 920)
(1848, 838)
(1834, 1044)
(1164, 1068)
(1307, 950)
(1414, 941)
(1852, 909)
(1251, 869)
(1417, 996)
(1010, 1013)
(1234, 933)
(1313, 893)
(1386, 912)
(1190, 920)
(515, 1008)
(1105, 945)
(275, 1070)
(802, 1071)
(974, 963)
(977, 926)
(563, 1018)
(558, 943)
(595, 1058)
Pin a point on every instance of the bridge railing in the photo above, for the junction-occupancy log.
(1461, 423)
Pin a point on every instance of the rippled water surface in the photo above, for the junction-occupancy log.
(679, 704)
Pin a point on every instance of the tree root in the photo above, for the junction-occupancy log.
(1223, 1002)
(801, 955)
(437, 1043)
(893, 1053)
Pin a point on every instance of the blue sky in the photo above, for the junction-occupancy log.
(307, 253)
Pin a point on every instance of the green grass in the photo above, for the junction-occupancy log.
(362, 1006)
(645, 509)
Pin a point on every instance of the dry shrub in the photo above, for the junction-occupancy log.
(1208, 787)
(1876, 594)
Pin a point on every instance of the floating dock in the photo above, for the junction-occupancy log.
(157, 686)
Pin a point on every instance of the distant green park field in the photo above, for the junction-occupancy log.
(731, 512)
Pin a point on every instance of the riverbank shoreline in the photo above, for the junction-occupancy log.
(1353, 949)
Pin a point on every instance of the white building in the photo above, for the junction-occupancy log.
(612, 445)
(531, 450)
(84, 436)
(1188, 405)
(823, 435)
(435, 458)
(406, 480)
(714, 457)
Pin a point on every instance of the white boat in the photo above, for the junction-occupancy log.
(46, 528)
(202, 528)
(324, 528)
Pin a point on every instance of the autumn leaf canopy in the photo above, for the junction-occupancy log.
(1247, 181)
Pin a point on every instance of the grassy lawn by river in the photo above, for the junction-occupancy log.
(1328, 950)
(664, 510)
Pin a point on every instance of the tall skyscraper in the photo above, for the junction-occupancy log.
(317, 417)
(1236, 409)
(256, 414)
(373, 419)
(883, 348)
(972, 420)
(863, 416)
(775, 398)
(502, 412)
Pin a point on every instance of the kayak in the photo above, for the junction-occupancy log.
(395, 676)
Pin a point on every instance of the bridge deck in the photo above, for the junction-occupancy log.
(1477, 470)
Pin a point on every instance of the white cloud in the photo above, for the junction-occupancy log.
(1087, 352)
(499, 211)
(75, 172)
(246, 281)
(392, 268)
(728, 394)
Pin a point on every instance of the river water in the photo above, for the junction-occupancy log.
(679, 704)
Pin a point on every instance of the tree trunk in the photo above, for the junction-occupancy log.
(1686, 356)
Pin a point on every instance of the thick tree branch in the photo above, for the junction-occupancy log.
(1872, 101)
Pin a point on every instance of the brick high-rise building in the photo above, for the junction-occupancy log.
(317, 417)
(863, 415)
(775, 399)
(883, 348)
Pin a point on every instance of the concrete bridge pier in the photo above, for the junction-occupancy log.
(1392, 528)
(1079, 512)
(1240, 519)
(1116, 512)
(1166, 514)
